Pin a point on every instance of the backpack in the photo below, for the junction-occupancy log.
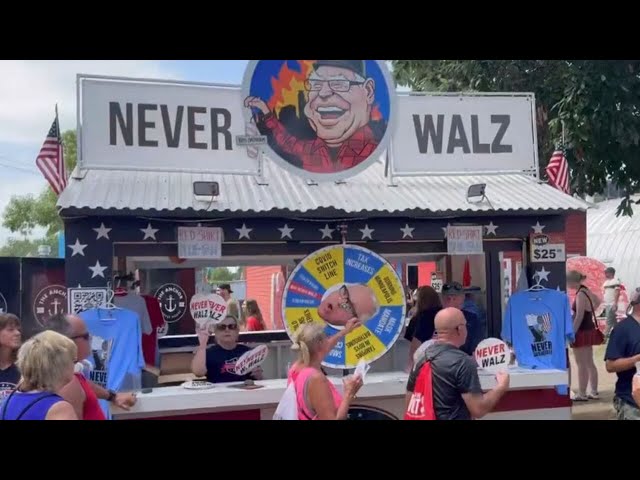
(421, 403)
(288, 407)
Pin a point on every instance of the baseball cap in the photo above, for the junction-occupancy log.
(356, 66)
(225, 286)
(453, 288)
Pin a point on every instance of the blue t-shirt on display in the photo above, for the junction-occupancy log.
(538, 324)
(116, 349)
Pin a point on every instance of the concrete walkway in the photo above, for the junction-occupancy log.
(601, 409)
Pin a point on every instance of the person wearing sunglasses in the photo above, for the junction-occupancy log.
(218, 362)
(82, 393)
(453, 295)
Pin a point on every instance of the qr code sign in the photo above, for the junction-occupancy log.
(81, 299)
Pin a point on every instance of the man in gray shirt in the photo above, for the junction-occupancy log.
(457, 394)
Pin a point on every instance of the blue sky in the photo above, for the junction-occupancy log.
(29, 91)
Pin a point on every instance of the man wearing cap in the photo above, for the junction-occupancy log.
(611, 295)
(623, 357)
(233, 308)
(339, 106)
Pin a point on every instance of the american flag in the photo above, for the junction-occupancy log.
(558, 171)
(50, 159)
(546, 322)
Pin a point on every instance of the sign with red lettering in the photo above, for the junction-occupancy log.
(493, 355)
(207, 309)
(464, 240)
(251, 360)
(199, 242)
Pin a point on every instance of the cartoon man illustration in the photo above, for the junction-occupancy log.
(339, 107)
(347, 302)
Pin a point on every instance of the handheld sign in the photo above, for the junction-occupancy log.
(493, 355)
(251, 360)
(207, 309)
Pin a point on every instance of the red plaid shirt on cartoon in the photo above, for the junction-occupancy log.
(315, 154)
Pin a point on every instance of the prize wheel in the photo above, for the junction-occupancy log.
(336, 283)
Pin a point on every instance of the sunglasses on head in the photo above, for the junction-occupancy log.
(225, 326)
(452, 286)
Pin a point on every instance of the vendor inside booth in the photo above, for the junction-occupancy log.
(301, 238)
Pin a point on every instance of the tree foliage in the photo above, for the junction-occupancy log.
(26, 212)
(596, 101)
(25, 247)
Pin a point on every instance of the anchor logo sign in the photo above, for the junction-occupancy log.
(173, 302)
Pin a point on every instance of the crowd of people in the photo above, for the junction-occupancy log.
(39, 379)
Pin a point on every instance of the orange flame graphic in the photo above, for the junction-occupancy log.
(287, 85)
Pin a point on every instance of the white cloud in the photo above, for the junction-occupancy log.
(29, 91)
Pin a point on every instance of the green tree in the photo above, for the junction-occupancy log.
(25, 247)
(26, 212)
(597, 101)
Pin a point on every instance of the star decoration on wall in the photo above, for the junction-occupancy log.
(285, 232)
(244, 232)
(327, 232)
(444, 229)
(537, 228)
(103, 232)
(542, 275)
(77, 248)
(366, 232)
(407, 231)
(149, 232)
(491, 229)
(97, 270)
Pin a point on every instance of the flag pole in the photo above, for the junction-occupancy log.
(562, 124)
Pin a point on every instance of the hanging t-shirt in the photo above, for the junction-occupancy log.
(150, 341)
(539, 324)
(9, 378)
(116, 349)
(135, 303)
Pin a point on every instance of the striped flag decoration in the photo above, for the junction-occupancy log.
(546, 322)
(50, 160)
(558, 171)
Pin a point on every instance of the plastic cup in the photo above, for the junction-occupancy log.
(638, 369)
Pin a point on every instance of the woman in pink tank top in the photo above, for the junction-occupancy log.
(318, 398)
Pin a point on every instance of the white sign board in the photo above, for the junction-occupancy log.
(251, 360)
(199, 242)
(437, 282)
(207, 309)
(464, 134)
(464, 240)
(161, 126)
(548, 248)
(493, 355)
(81, 299)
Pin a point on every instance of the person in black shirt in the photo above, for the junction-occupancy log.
(453, 295)
(10, 340)
(457, 394)
(218, 362)
(622, 357)
(421, 326)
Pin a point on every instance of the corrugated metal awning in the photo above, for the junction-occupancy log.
(368, 192)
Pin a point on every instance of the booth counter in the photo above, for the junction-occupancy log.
(531, 396)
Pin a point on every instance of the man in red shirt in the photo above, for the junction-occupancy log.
(339, 107)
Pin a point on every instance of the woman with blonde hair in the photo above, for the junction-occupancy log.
(46, 363)
(317, 397)
(255, 322)
(587, 334)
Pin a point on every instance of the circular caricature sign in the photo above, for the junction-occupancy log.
(49, 301)
(493, 355)
(324, 120)
(337, 283)
(207, 309)
(173, 302)
(3, 304)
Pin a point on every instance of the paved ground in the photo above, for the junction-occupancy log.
(596, 409)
